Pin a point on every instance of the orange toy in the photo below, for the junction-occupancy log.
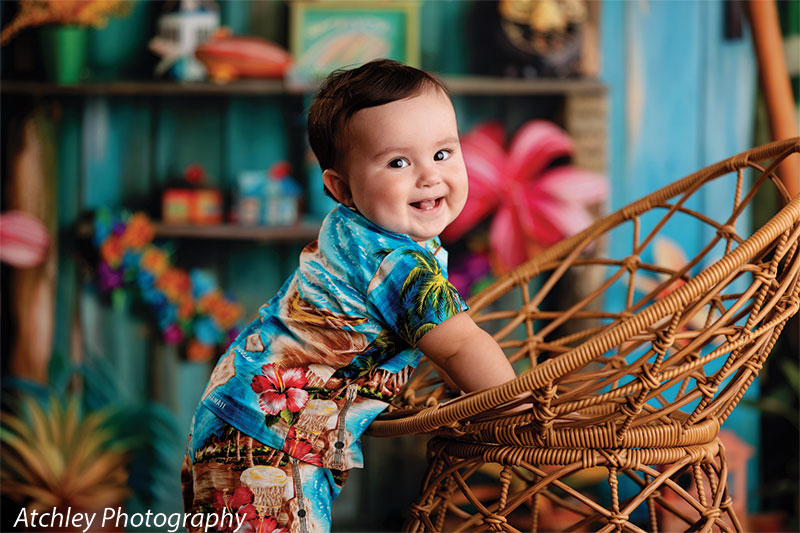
(227, 57)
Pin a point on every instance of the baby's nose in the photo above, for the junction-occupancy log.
(428, 177)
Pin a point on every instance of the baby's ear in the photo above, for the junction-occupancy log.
(338, 187)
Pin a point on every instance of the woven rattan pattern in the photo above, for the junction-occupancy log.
(622, 377)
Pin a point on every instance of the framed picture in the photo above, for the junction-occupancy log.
(330, 34)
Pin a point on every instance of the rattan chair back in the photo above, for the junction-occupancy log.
(646, 355)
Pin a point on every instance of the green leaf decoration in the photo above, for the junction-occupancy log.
(289, 416)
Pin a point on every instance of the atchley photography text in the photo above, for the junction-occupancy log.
(114, 517)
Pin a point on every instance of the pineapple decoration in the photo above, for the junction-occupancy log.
(56, 455)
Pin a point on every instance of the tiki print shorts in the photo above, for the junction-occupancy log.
(263, 489)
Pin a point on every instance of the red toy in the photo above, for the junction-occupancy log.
(192, 202)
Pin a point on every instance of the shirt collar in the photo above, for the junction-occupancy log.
(353, 215)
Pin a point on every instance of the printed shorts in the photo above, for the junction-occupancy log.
(264, 489)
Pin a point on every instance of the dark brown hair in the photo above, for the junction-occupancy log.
(346, 91)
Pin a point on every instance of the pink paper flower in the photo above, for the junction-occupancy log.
(280, 389)
(173, 334)
(535, 201)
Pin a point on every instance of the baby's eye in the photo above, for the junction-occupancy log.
(442, 155)
(398, 163)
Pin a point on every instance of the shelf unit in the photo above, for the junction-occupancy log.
(584, 115)
(303, 231)
(459, 85)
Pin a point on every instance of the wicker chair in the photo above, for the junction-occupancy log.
(632, 384)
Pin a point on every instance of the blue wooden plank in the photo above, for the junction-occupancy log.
(235, 14)
(69, 179)
(613, 49)
(101, 155)
(444, 38)
(177, 384)
(729, 99)
(116, 151)
(680, 100)
(663, 96)
(188, 131)
(255, 137)
(191, 379)
(253, 274)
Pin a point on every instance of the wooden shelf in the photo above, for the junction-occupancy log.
(303, 232)
(145, 88)
(484, 85)
(462, 85)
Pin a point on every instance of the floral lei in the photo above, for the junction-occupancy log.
(187, 305)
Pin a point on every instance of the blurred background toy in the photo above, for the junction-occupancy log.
(269, 198)
(179, 34)
(190, 201)
(227, 57)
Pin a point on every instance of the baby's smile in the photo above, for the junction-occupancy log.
(427, 205)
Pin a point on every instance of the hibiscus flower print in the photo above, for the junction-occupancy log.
(301, 449)
(225, 503)
(280, 389)
(259, 524)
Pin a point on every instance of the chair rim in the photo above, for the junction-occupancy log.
(515, 455)
(449, 413)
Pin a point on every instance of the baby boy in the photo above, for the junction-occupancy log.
(278, 425)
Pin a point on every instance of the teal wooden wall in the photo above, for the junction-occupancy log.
(681, 97)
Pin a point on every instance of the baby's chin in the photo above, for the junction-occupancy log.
(426, 236)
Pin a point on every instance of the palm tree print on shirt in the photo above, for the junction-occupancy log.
(385, 346)
(425, 288)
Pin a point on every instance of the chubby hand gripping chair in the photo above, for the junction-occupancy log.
(632, 380)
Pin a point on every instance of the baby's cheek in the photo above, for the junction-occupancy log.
(391, 195)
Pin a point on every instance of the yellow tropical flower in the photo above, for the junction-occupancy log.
(66, 12)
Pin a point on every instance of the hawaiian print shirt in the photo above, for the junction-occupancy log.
(335, 345)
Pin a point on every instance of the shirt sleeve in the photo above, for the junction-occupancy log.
(410, 294)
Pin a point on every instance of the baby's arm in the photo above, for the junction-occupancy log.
(466, 353)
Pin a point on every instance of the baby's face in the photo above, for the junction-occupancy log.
(404, 165)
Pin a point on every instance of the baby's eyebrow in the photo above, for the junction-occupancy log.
(405, 149)
(390, 150)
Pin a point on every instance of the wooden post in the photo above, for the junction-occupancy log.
(775, 83)
(32, 189)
